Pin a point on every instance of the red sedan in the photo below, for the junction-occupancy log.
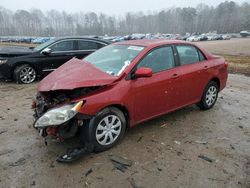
(124, 84)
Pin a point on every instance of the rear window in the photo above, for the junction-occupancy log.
(88, 45)
(187, 54)
(63, 46)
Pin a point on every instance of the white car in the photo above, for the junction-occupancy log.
(226, 37)
(193, 39)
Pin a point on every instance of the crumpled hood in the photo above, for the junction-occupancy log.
(74, 74)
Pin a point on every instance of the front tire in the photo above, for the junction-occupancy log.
(24, 74)
(106, 129)
(210, 96)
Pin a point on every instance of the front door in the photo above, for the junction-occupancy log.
(61, 52)
(158, 94)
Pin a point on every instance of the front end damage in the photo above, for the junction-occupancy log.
(56, 116)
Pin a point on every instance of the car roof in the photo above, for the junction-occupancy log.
(85, 38)
(152, 42)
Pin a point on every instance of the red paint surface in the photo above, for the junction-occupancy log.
(143, 98)
(75, 74)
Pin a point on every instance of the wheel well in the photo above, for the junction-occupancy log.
(217, 81)
(20, 64)
(124, 111)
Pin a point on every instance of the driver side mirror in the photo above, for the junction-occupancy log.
(143, 72)
(46, 51)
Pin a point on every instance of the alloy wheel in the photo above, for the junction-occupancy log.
(211, 95)
(108, 130)
(27, 75)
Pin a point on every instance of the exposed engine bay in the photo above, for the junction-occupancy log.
(47, 100)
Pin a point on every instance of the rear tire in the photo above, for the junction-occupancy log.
(104, 130)
(209, 96)
(24, 74)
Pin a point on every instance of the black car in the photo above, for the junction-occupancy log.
(24, 65)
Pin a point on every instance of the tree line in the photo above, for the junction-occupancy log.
(227, 17)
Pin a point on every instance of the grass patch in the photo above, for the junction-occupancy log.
(238, 64)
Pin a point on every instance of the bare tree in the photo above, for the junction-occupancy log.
(226, 17)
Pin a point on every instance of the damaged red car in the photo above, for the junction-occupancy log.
(124, 84)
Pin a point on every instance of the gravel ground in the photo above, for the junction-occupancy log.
(165, 151)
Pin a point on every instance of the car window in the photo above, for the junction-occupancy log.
(187, 54)
(159, 59)
(114, 59)
(202, 57)
(87, 45)
(63, 46)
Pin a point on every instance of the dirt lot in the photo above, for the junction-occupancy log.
(164, 151)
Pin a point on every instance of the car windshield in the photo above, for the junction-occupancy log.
(113, 59)
(44, 45)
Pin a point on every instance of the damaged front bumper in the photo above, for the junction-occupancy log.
(59, 122)
(64, 131)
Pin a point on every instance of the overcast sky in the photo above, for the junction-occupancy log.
(112, 7)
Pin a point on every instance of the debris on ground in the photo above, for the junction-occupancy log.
(201, 142)
(19, 162)
(33, 183)
(164, 125)
(223, 138)
(3, 131)
(232, 147)
(15, 119)
(214, 179)
(241, 127)
(139, 139)
(177, 142)
(73, 154)
(179, 153)
(159, 169)
(6, 151)
(206, 158)
(132, 183)
(88, 172)
(120, 163)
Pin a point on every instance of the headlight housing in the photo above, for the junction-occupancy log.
(58, 116)
(2, 61)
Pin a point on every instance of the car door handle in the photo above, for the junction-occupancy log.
(174, 76)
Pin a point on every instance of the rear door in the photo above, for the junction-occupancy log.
(86, 47)
(194, 70)
(158, 94)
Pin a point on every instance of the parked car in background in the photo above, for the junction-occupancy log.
(193, 38)
(245, 33)
(124, 84)
(24, 66)
(226, 37)
(203, 37)
(41, 40)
